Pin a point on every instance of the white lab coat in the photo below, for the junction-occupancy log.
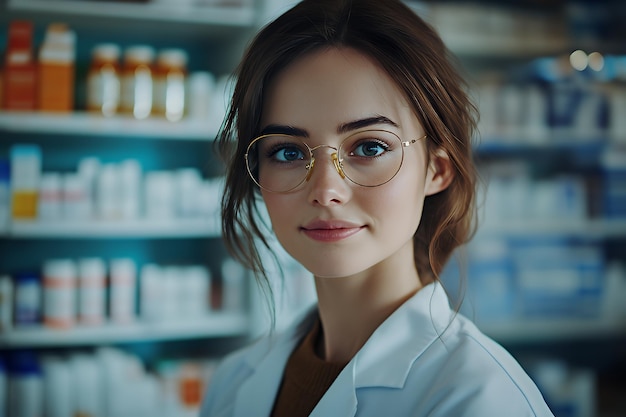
(424, 360)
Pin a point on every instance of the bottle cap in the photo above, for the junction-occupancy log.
(106, 52)
(142, 54)
(59, 269)
(172, 58)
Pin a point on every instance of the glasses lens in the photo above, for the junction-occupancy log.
(278, 162)
(371, 158)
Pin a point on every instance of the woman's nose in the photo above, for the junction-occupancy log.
(326, 183)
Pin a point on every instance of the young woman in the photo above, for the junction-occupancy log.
(350, 122)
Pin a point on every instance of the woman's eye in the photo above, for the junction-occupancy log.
(369, 149)
(288, 154)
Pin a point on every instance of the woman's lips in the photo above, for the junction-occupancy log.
(330, 230)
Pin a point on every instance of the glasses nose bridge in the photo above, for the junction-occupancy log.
(334, 156)
(313, 149)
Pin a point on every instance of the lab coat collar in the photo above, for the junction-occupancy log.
(402, 338)
(384, 360)
(266, 364)
(387, 356)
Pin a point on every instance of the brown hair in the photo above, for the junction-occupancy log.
(414, 56)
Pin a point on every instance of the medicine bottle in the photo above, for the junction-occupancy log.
(6, 303)
(123, 284)
(103, 80)
(137, 81)
(55, 70)
(20, 72)
(27, 302)
(59, 293)
(50, 197)
(5, 193)
(4, 387)
(91, 290)
(191, 387)
(25, 394)
(170, 78)
(25, 175)
(75, 204)
(233, 280)
(151, 292)
(195, 291)
(58, 391)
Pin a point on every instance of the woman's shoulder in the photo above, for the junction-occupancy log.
(479, 374)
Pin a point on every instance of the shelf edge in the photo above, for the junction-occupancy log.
(214, 325)
(212, 15)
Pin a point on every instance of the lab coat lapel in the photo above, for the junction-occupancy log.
(385, 360)
(257, 395)
(340, 399)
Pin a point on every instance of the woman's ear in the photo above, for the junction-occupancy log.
(440, 172)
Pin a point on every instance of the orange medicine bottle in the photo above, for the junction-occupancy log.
(20, 78)
(55, 70)
(137, 81)
(170, 78)
(103, 80)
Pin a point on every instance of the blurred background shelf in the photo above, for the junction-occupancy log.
(233, 16)
(146, 229)
(488, 46)
(592, 229)
(83, 123)
(545, 330)
(212, 326)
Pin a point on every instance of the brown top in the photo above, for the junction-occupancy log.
(307, 377)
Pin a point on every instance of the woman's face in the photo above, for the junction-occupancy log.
(332, 226)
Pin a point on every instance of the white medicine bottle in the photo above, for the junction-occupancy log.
(170, 78)
(137, 81)
(103, 80)
(25, 394)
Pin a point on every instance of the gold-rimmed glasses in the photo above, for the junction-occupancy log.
(280, 163)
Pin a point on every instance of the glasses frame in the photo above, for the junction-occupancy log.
(337, 163)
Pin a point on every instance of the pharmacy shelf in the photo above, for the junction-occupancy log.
(214, 325)
(489, 45)
(547, 330)
(145, 228)
(592, 229)
(181, 12)
(91, 124)
(553, 142)
(482, 43)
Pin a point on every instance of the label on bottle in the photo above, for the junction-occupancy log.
(136, 97)
(169, 96)
(24, 205)
(91, 301)
(58, 301)
(103, 91)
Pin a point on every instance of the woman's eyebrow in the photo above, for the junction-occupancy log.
(275, 129)
(366, 122)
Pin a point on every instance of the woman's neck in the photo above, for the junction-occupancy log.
(351, 308)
